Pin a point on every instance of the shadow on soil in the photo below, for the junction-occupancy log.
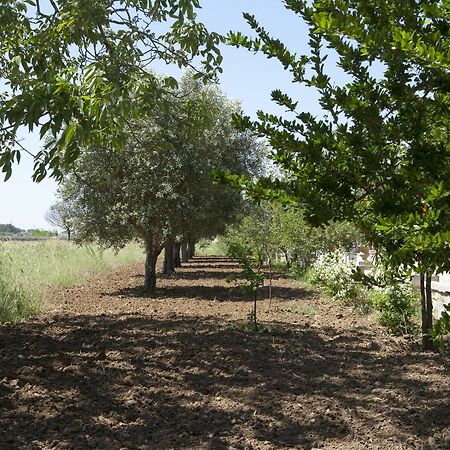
(209, 269)
(211, 293)
(130, 381)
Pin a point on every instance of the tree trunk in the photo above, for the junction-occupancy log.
(184, 252)
(287, 258)
(168, 267)
(150, 267)
(68, 234)
(191, 249)
(176, 254)
(427, 311)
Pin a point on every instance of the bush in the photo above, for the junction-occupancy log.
(396, 303)
(397, 306)
(441, 329)
(337, 279)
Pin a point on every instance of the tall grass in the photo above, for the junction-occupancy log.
(29, 269)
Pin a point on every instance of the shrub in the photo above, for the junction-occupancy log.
(397, 306)
(396, 303)
(441, 328)
(337, 279)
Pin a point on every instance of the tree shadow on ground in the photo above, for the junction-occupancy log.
(112, 381)
(210, 293)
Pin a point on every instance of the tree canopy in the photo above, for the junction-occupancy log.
(380, 153)
(80, 70)
(158, 187)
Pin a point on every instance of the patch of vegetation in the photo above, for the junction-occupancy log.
(441, 329)
(28, 269)
(10, 231)
(395, 302)
(336, 279)
(397, 308)
(16, 303)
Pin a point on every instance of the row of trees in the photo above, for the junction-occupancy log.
(158, 188)
(379, 155)
(270, 231)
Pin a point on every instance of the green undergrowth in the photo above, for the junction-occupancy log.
(395, 303)
(29, 269)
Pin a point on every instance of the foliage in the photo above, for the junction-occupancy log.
(394, 300)
(159, 187)
(397, 307)
(39, 233)
(79, 71)
(337, 278)
(379, 153)
(214, 247)
(441, 329)
(9, 229)
(59, 216)
(270, 229)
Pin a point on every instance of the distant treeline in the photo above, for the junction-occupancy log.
(10, 232)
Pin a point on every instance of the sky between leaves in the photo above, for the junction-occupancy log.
(247, 77)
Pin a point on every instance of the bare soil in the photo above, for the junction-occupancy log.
(107, 367)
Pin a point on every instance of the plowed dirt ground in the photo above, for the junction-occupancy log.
(107, 367)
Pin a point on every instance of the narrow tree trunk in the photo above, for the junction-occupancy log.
(168, 267)
(287, 258)
(68, 234)
(427, 311)
(150, 267)
(176, 254)
(184, 252)
(255, 320)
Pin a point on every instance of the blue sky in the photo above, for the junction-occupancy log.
(247, 77)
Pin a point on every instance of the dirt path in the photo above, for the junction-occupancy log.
(109, 368)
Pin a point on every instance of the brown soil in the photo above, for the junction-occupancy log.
(110, 368)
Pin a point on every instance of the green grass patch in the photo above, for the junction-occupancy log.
(29, 269)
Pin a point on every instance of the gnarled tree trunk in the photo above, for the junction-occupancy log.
(191, 249)
(169, 266)
(150, 266)
(184, 252)
(176, 254)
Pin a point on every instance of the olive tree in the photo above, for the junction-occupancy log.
(158, 187)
